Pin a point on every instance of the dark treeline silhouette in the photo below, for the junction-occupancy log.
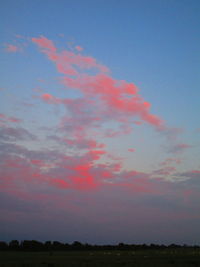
(33, 245)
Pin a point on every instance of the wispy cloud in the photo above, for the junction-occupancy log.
(12, 48)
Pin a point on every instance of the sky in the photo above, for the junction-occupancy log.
(99, 121)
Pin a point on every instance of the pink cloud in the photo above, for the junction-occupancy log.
(123, 129)
(195, 171)
(23, 176)
(101, 100)
(168, 170)
(137, 122)
(66, 68)
(60, 183)
(66, 61)
(18, 36)
(179, 148)
(14, 134)
(82, 143)
(12, 48)
(78, 48)
(112, 94)
(84, 179)
(48, 98)
(45, 43)
(103, 85)
(140, 183)
(13, 119)
(172, 133)
(170, 161)
(191, 174)
(4, 118)
(112, 99)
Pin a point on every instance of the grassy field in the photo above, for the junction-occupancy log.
(101, 259)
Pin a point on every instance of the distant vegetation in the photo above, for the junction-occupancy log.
(33, 245)
(32, 253)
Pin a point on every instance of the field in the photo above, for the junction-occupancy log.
(153, 258)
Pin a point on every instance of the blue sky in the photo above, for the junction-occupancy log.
(155, 44)
(67, 146)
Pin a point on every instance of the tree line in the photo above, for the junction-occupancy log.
(34, 245)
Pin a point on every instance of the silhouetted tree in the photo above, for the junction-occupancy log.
(3, 245)
(77, 245)
(32, 245)
(48, 245)
(57, 245)
(14, 245)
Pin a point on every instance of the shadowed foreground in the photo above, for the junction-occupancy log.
(154, 258)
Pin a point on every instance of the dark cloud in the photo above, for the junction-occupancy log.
(16, 134)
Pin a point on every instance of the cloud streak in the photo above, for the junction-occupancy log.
(12, 48)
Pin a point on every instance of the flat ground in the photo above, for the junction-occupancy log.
(101, 258)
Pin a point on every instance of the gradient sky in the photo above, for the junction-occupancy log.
(99, 121)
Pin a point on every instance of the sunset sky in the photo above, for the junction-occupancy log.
(100, 121)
